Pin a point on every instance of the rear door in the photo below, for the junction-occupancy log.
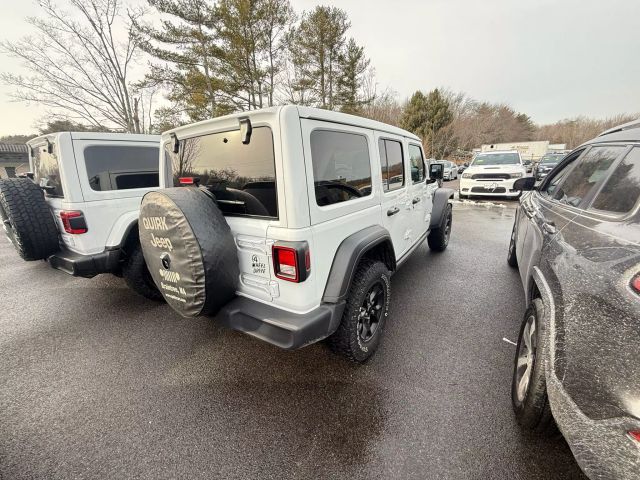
(397, 205)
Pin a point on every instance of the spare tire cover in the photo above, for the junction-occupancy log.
(189, 250)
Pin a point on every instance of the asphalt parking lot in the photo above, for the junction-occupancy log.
(96, 382)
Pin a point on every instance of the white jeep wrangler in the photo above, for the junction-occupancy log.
(289, 223)
(79, 207)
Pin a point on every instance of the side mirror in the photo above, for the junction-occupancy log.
(436, 171)
(524, 184)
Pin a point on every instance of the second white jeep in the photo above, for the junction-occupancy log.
(79, 207)
(287, 223)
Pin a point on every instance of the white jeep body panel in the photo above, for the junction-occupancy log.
(109, 214)
(324, 228)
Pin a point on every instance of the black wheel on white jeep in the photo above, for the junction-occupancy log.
(137, 276)
(27, 220)
(189, 250)
(438, 238)
(365, 313)
(528, 385)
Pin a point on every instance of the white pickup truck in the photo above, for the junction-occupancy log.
(78, 208)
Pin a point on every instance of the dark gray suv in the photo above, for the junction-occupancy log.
(576, 241)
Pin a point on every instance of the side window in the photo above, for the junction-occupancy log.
(46, 171)
(392, 165)
(417, 164)
(121, 167)
(588, 173)
(622, 190)
(341, 166)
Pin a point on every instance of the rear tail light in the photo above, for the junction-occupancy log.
(73, 222)
(186, 180)
(635, 434)
(635, 284)
(291, 261)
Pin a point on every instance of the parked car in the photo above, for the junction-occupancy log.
(492, 174)
(528, 165)
(576, 242)
(463, 167)
(547, 163)
(287, 223)
(450, 170)
(79, 207)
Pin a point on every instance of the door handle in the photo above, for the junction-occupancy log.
(549, 228)
(416, 200)
(392, 211)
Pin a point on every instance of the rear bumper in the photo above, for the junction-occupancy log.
(278, 327)
(87, 266)
(602, 448)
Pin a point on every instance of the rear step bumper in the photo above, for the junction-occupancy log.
(281, 328)
(87, 266)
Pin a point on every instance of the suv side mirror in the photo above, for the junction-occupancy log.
(436, 171)
(524, 184)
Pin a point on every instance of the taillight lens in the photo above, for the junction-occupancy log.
(73, 222)
(186, 180)
(635, 434)
(635, 283)
(291, 261)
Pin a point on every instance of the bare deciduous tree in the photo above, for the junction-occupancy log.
(78, 65)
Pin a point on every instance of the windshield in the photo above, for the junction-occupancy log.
(496, 159)
(551, 159)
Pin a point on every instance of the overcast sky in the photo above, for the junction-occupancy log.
(548, 59)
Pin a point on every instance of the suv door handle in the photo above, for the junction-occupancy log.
(392, 211)
(549, 228)
(416, 200)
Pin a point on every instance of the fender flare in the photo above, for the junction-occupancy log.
(440, 200)
(347, 257)
(121, 229)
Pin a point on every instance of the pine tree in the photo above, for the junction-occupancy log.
(353, 66)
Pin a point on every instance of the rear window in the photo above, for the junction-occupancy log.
(46, 170)
(121, 167)
(242, 177)
(622, 190)
(341, 166)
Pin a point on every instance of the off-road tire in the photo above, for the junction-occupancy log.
(438, 238)
(533, 413)
(345, 340)
(512, 260)
(137, 276)
(27, 219)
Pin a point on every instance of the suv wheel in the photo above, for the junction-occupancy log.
(366, 311)
(528, 386)
(438, 238)
(511, 255)
(137, 276)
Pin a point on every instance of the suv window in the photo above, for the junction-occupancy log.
(589, 171)
(622, 190)
(417, 163)
(46, 170)
(242, 177)
(392, 164)
(120, 167)
(341, 166)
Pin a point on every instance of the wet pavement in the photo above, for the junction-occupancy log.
(96, 382)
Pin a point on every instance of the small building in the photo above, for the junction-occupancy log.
(528, 150)
(14, 159)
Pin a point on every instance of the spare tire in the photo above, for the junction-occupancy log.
(27, 219)
(189, 249)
